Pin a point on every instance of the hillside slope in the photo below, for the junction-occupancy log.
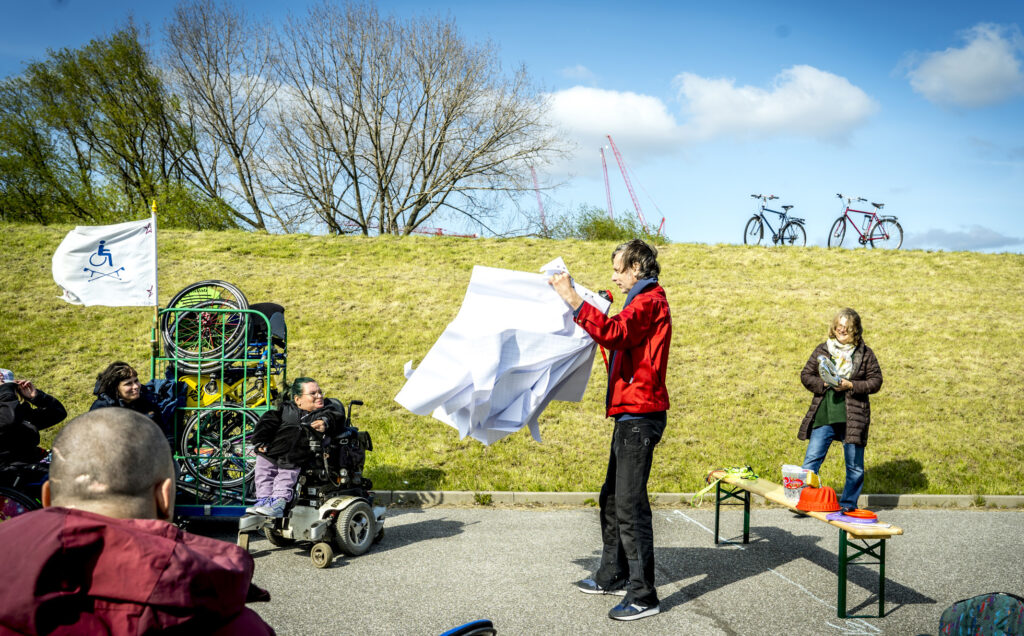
(945, 326)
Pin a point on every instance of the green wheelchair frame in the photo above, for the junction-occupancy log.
(229, 388)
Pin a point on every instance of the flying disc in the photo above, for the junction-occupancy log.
(838, 516)
(861, 514)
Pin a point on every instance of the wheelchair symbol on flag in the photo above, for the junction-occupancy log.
(102, 256)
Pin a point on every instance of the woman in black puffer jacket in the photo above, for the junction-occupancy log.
(118, 385)
(841, 412)
(282, 440)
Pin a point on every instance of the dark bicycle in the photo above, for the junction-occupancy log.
(791, 229)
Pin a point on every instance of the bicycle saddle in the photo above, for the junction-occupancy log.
(878, 205)
(787, 208)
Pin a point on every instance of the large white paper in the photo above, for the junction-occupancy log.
(512, 348)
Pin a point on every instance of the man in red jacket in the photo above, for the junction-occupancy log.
(638, 338)
(100, 557)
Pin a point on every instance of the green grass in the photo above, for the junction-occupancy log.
(945, 326)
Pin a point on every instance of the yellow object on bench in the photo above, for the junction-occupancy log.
(775, 493)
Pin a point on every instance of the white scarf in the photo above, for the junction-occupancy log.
(842, 356)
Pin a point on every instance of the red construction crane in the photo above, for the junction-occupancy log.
(607, 189)
(629, 186)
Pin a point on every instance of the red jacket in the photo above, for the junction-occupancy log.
(639, 335)
(73, 572)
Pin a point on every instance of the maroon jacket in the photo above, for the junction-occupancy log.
(73, 572)
(640, 335)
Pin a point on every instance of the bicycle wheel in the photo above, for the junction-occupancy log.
(216, 447)
(837, 233)
(201, 339)
(793, 233)
(887, 235)
(205, 290)
(213, 334)
(14, 503)
(753, 233)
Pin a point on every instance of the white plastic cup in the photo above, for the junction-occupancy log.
(794, 480)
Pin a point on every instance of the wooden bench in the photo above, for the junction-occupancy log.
(848, 552)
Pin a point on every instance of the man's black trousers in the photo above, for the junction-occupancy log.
(626, 527)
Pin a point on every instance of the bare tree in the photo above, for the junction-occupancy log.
(220, 63)
(383, 124)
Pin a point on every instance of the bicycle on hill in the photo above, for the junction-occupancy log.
(791, 229)
(878, 231)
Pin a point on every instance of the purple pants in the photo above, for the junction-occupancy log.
(273, 481)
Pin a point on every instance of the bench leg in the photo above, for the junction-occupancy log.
(881, 580)
(746, 517)
(718, 504)
(743, 496)
(867, 551)
(841, 601)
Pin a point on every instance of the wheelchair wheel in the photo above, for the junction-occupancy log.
(205, 290)
(322, 554)
(210, 334)
(354, 529)
(277, 539)
(215, 446)
(200, 339)
(14, 503)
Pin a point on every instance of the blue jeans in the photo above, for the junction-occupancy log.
(817, 448)
(626, 528)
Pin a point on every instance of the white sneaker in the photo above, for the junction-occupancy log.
(277, 507)
(254, 509)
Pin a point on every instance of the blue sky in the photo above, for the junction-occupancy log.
(919, 105)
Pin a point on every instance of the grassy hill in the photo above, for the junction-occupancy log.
(946, 328)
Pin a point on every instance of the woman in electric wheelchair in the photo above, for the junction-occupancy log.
(282, 441)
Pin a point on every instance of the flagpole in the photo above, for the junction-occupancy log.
(154, 342)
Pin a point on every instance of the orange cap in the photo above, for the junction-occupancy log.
(818, 500)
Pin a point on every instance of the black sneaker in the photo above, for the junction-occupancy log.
(631, 611)
(590, 586)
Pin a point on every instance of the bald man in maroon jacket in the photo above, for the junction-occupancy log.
(101, 557)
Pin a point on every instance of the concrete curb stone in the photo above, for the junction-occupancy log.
(429, 498)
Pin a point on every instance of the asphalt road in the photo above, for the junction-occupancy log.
(440, 567)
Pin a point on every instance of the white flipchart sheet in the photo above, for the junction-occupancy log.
(512, 348)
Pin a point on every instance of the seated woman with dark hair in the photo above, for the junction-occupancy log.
(282, 439)
(118, 385)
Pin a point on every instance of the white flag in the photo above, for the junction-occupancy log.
(112, 265)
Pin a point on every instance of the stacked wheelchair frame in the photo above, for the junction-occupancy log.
(233, 359)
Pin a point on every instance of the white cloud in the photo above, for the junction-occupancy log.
(987, 70)
(802, 101)
(640, 123)
(971, 238)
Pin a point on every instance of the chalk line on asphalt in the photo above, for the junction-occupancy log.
(853, 626)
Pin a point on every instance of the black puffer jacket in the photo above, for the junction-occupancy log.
(286, 431)
(20, 423)
(143, 405)
(866, 379)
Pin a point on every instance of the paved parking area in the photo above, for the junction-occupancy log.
(440, 567)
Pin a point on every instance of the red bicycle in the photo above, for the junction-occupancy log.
(878, 231)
